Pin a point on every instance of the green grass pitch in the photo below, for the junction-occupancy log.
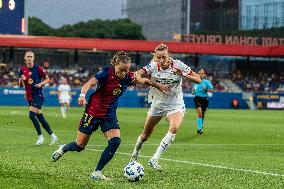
(239, 149)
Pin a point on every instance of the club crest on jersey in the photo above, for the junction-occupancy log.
(30, 81)
(116, 92)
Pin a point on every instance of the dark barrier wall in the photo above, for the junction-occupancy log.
(131, 98)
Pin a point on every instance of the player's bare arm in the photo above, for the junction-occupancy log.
(45, 81)
(192, 76)
(90, 84)
(146, 81)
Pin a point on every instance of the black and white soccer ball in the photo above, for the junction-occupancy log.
(133, 171)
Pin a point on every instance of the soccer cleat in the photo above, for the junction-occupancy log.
(98, 175)
(154, 163)
(58, 153)
(54, 140)
(134, 156)
(199, 131)
(39, 141)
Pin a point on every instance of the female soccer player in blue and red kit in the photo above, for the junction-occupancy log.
(111, 82)
(33, 77)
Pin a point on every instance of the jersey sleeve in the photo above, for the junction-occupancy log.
(150, 67)
(60, 87)
(209, 85)
(42, 72)
(102, 75)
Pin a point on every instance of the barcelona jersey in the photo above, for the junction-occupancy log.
(104, 101)
(34, 76)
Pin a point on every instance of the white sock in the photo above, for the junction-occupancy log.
(166, 141)
(138, 146)
(53, 135)
(62, 111)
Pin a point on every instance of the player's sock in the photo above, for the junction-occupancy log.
(63, 111)
(44, 123)
(166, 141)
(108, 153)
(32, 116)
(137, 148)
(72, 146)
(199, 122)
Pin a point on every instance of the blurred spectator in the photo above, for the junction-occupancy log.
(258, 81)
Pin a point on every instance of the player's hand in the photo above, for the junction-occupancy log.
(38, 85)
(81, 101)
(177, 71)
(164, 88)
(23, 77)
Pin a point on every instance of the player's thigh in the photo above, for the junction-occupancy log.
(36, 104)
(151, 122)
(175, 120)
(67, 104)
(82, 139)
(89, 124)
(112, 133)
(35, 110)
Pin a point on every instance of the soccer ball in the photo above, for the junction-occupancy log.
(133, 171)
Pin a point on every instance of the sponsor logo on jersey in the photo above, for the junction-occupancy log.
(116, 91)
(30, 81)
(166, 81)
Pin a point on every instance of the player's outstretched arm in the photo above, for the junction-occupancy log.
(91, 83)
(192, 76)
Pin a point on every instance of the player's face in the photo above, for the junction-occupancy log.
(162, 57)
(122, 69)
(29, 59)
(201, 73)
(64, 81)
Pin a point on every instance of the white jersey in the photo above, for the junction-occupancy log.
(173, 99)
(64, 92)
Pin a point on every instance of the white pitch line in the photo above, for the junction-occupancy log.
(204, 164)
(190, 144)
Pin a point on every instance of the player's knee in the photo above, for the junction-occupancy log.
(114, 142)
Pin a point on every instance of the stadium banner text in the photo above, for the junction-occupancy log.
(131, 98)
(269, 101)
(229, 40)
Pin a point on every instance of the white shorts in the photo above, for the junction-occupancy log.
(64, 100)
(153, 111)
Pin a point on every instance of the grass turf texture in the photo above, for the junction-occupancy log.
(239, 149)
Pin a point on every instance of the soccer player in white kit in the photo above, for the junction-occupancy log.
(165, 70)
(64, 96)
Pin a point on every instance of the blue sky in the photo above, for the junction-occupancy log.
(56, 13)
